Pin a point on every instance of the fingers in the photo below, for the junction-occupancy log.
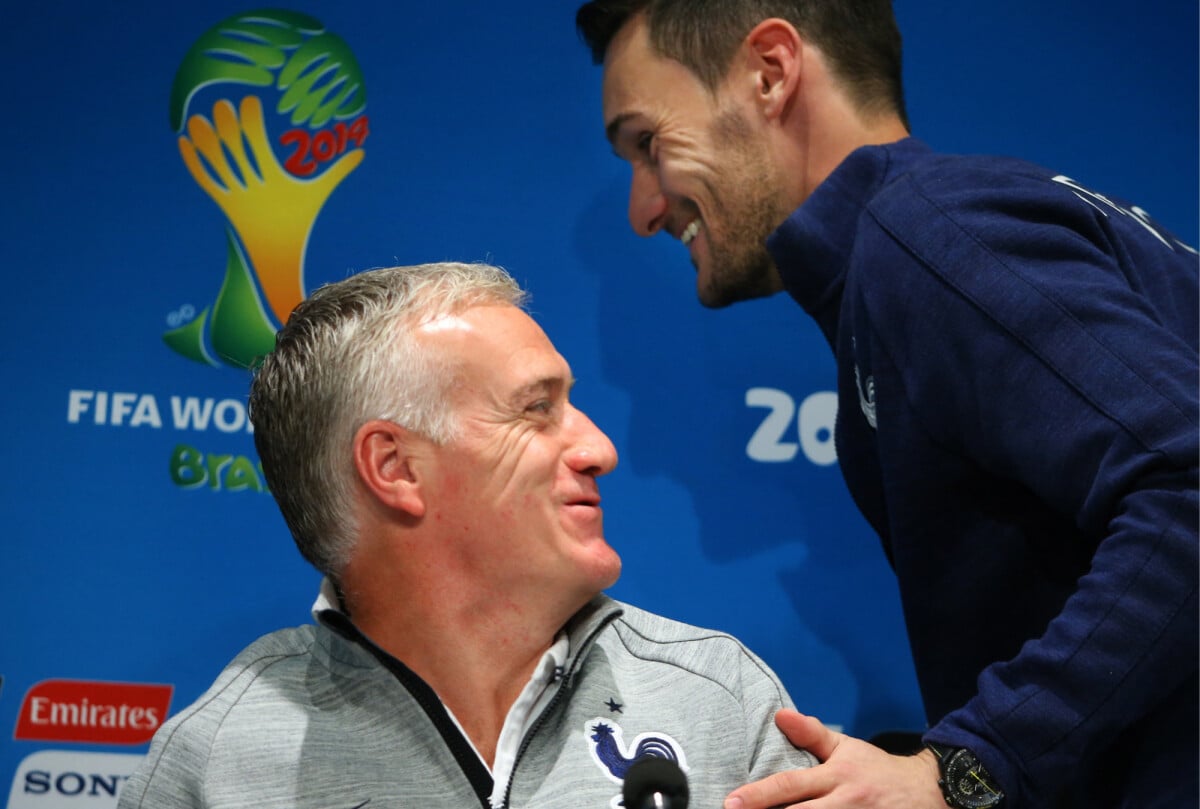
(852, 773)
(200, 174)
(255, 130)
(807, 732)
(781, 789)
(202, 140)
(338, 171)
(207, 147)
(792, 786)
(230, 132)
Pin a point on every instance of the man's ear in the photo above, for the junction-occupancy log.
(383, 455)
(773, 50)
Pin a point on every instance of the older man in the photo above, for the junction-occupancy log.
(416, 429)
(1017, 394)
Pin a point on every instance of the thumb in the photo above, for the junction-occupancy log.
(807, 732)
(338, 171)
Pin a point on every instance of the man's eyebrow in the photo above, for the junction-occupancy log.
(614, 126)
(545, 385)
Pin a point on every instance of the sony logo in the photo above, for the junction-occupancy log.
(73, 784)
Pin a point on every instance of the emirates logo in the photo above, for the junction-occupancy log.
(93, 712)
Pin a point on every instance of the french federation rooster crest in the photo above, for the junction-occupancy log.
(606, 741)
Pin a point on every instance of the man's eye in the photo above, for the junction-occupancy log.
(540, 406)
(644, 142)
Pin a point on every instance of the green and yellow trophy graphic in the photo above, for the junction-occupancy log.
(269, 173)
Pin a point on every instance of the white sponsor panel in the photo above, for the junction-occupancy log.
(65, 779)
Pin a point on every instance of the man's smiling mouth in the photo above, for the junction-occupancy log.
(690, 232)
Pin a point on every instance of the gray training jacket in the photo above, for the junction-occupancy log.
(317, 717)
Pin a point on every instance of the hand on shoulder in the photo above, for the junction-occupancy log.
(852, 773)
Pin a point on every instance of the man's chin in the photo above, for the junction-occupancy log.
(710, 292)
(710, 302)
(720, 285)
(713, 296)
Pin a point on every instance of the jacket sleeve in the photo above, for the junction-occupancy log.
(762, 695)
(1038, 329)
(172, 774)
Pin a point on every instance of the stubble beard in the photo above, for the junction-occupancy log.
(748, 208)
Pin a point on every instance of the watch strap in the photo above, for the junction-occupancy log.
(955, 758)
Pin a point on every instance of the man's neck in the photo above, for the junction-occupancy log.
(476, 652)
(828, 149)
(823, 127)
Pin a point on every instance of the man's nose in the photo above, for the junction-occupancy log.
(647, 204)
(591, 451)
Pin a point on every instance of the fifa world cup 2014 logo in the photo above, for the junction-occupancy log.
(269, 173)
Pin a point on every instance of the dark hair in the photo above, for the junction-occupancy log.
(858, 37)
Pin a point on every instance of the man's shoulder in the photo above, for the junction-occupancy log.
(652, 637)
(273, 664)
(933, 207)
(257, 713)
(965, 181)
(280, 647)
(661, 629)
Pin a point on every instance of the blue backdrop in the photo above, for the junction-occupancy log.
(140, 546)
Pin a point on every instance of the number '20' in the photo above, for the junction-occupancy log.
(814, 419)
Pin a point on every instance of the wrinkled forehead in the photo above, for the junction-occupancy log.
(640, 83)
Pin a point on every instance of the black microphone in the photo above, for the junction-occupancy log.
(655, 783)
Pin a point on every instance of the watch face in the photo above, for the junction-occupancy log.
(968, 784)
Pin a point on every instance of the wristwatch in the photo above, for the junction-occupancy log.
(965, 783)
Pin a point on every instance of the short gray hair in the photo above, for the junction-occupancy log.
(343, 359)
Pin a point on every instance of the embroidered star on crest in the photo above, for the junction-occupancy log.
(614, 706)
